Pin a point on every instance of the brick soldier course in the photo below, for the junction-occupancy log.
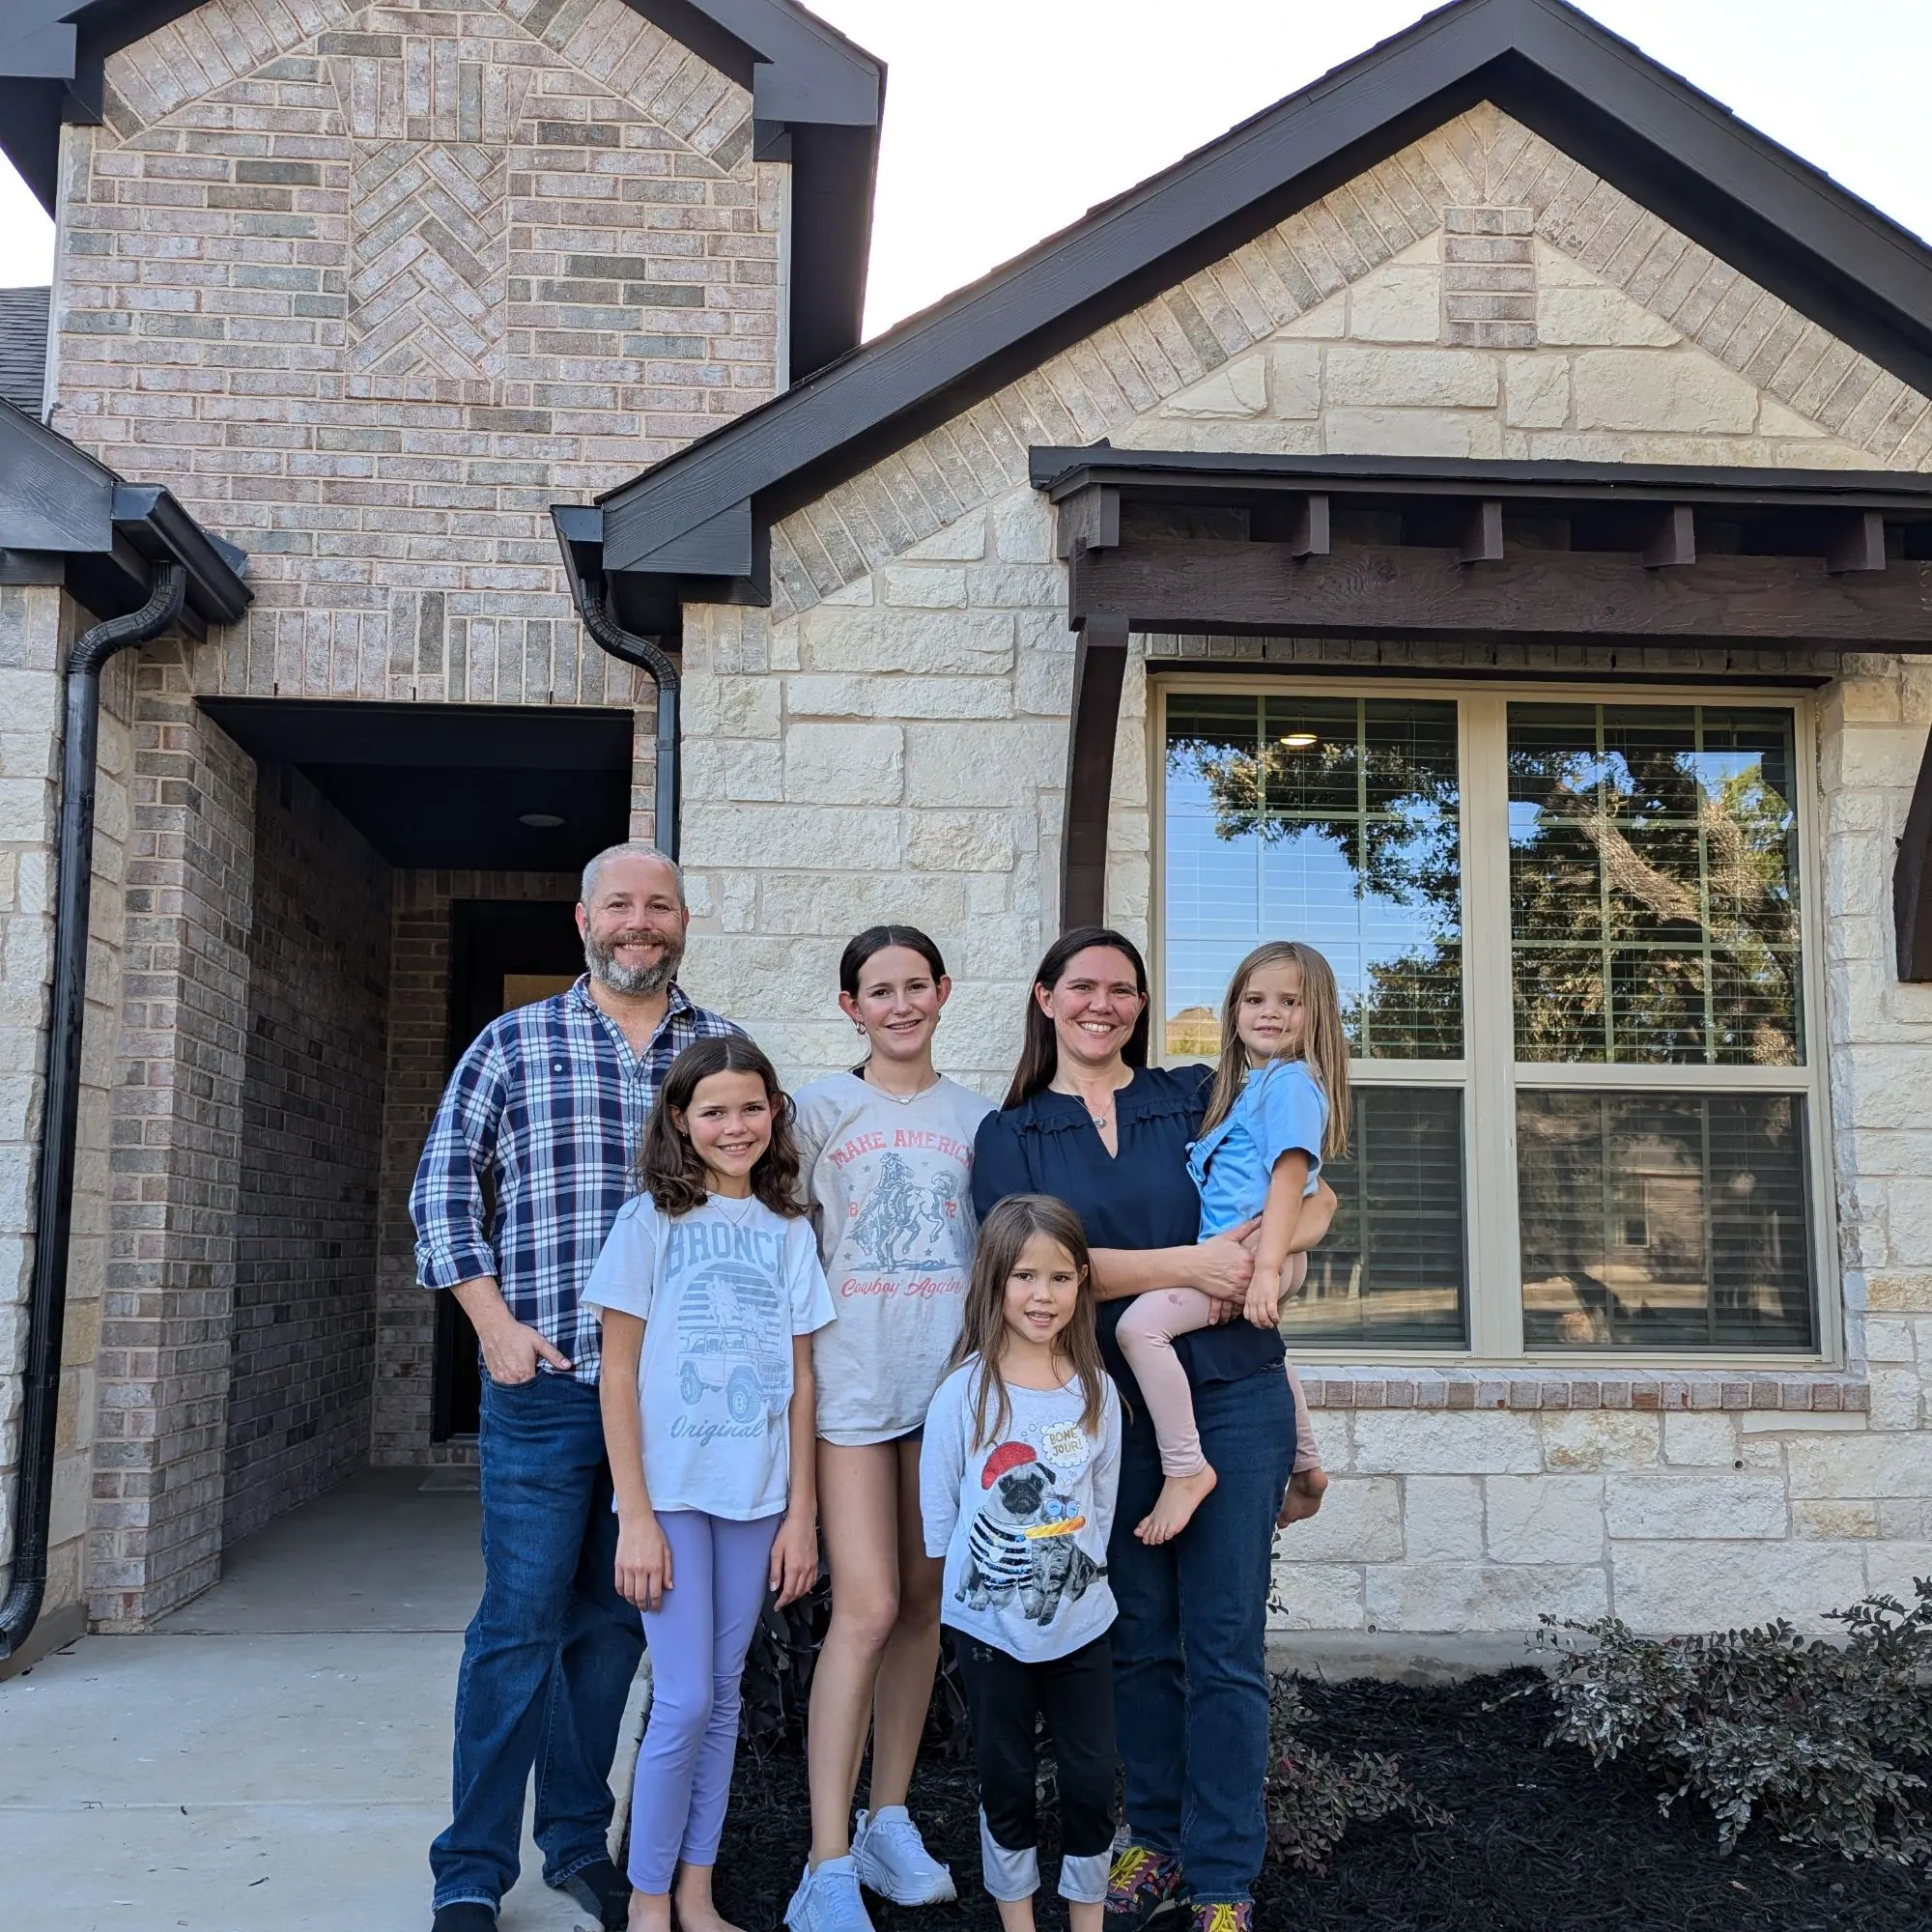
(372, 288)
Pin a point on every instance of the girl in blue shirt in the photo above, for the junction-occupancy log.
(1278, 1105)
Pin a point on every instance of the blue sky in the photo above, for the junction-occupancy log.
(1007, 119)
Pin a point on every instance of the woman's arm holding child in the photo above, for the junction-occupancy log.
(795, 1553)
(643, 1554)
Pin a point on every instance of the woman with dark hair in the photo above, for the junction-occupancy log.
(1088, 1121)
(887, 1152)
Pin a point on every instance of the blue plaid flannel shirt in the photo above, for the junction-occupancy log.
(549, 1103)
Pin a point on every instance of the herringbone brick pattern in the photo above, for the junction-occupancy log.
(426, 259)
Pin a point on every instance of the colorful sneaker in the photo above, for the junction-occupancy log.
(892, 1860)
(1141, 1886)
(827, 1900)
(1224, 1917)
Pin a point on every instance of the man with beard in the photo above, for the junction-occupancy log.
(547, 1110)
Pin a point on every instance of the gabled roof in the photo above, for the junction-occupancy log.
(23, 347)
(1600, 100)
(815, 95)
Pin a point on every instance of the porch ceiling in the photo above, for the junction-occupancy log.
(449, 785)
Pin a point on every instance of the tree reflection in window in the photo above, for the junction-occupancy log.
(1333, 820)
(1654, 884)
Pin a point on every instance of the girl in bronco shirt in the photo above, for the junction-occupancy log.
(886, 1153)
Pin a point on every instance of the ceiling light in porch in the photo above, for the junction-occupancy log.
(540, 821)
(1299, 741)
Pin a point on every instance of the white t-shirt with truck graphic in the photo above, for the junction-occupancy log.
(720, 1291)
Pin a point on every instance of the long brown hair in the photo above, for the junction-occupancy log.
(1324, 1044)
(1003, 1235)
(1039, 1051)
(669, 1169)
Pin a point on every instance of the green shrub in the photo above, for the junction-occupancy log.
(1815, 1738)
(1313, 1796)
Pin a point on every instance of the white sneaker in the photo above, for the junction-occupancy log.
(827, 1900)
(892, 1860)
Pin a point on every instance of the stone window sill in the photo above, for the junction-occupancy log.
(1837, 1391)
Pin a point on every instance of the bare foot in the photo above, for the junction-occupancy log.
(1305, 1491)
(650, 1912)
(707, 1920)
(1174, 1508)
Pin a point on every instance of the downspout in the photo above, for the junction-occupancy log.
(53, 1214)
(595, 606)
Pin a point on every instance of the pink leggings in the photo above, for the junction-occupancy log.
(697, 1641)
(1145, 1335)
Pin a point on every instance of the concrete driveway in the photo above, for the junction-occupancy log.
(276, 1755)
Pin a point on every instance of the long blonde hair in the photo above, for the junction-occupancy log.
(1325, 1045)
(1003, 1235)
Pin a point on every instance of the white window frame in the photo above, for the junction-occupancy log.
(1492, 1255)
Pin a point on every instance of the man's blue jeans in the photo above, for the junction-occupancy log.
(549, 1657)
(1190, 1670)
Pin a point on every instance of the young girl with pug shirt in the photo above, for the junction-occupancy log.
(1018, 1472)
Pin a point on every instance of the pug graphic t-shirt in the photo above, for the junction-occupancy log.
(720, 1291)
(1022, 1521)
(891, 1182)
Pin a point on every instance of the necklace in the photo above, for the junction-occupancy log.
(1101, 1116)
(744, 1207)
(903, 1100)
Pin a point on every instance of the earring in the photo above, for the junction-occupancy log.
(858, 1026)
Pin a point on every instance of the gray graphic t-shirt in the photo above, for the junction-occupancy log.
(891, 1184)
(720, 1291)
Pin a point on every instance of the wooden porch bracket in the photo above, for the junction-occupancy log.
(1301, 522)
(1911, 880)
(1857, 545)
(1675, 542)
(1483, 534)
(1099, 668)
(1089, 520)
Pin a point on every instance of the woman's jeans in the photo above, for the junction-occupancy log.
(549, 1657)
(1190, 1673)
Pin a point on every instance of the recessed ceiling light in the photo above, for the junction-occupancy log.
(540, 821)
(1296, 741)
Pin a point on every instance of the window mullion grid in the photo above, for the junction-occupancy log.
(1489, 1007)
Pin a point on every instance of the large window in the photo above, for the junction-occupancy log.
(1569, 937)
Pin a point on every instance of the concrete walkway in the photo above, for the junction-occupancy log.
(276, 1755)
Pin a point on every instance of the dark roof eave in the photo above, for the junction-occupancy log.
(1772, 214)
(1059, 472)
(57, 504)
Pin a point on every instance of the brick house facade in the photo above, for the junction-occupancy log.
(373, 294)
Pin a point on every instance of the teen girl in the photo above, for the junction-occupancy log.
(1017, 1479)
(709, 1287)
(1278, 1105)
(888, 1155)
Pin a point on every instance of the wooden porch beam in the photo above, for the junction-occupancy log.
(1099, 667)
(1911, 880)
(1379, 590)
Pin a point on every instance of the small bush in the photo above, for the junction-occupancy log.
(1313, 1797)
(1816, 1738)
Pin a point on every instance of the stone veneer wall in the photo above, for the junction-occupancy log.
(889, 741)
(418, 1066)
(303, 1376)
(36, 626)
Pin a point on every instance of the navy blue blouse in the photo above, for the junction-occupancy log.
(1141, 1198)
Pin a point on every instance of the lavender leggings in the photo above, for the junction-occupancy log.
(697, 1641)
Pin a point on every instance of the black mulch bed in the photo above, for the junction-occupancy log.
(1539, 1840)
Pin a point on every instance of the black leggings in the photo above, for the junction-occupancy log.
(1075, 1695)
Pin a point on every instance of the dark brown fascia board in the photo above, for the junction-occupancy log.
(805, 79)
(1642, 128)
(1059, 472)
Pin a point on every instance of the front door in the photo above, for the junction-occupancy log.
(503, 953)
